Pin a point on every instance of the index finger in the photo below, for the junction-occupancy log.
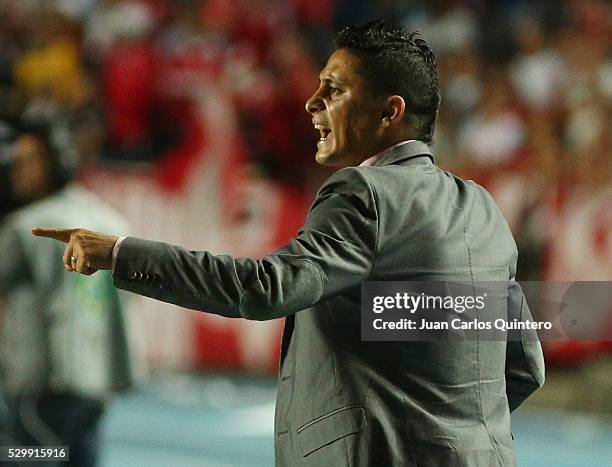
(63, 235)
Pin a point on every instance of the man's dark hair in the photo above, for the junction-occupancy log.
(395, 62)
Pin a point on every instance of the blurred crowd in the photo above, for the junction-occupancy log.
(526, 97)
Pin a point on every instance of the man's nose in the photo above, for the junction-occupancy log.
(314, 104)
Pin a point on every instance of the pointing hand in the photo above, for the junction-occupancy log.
(86, 251)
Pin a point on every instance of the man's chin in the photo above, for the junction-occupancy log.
(325, 158)
(335, 160)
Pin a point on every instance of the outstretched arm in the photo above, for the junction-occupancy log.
(333, 252)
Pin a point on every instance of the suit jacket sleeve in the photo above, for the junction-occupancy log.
(333, 252)
(524, 357)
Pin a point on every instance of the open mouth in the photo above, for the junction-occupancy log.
(324, 132)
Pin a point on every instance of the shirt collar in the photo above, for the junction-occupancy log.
(376, 157)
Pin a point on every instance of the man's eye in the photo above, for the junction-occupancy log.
(333, 90)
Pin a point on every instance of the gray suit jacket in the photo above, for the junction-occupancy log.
(342, 401)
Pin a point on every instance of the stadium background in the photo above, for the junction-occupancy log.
(190, 117)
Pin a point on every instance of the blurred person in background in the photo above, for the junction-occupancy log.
(64, 343)
(49, 70)
(118, 36)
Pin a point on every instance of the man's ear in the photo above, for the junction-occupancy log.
(393, 112)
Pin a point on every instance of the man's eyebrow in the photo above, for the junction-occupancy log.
(329, 79)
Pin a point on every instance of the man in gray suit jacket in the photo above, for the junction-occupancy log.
(389, 213)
